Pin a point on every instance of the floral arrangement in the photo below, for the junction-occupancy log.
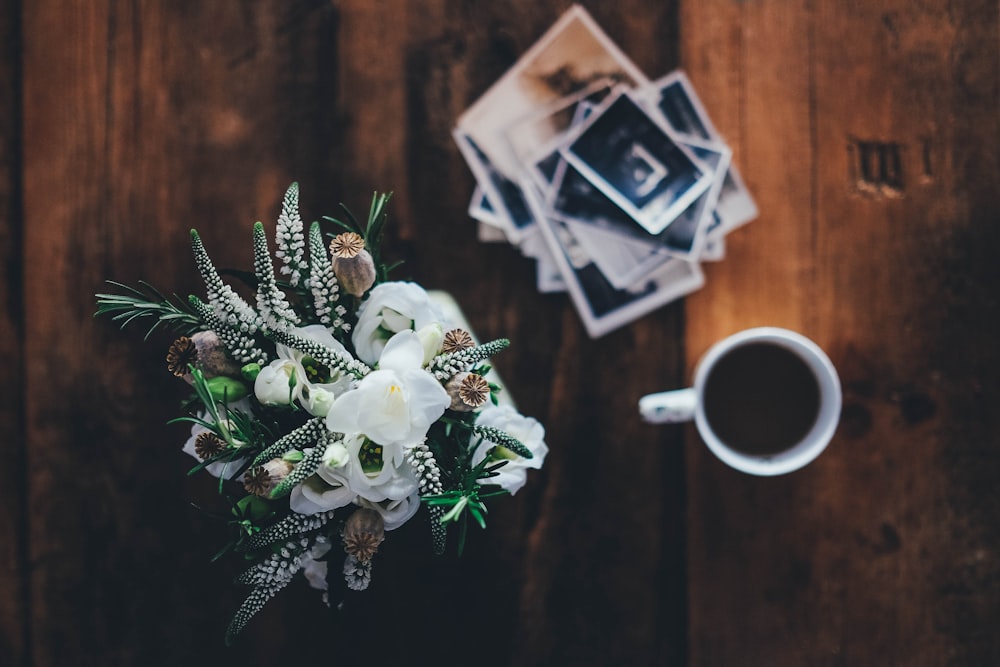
(334, 405)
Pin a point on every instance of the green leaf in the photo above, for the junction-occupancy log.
(147, 302)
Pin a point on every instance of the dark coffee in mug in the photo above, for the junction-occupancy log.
(761, 398)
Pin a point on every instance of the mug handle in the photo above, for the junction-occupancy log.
(669, 407)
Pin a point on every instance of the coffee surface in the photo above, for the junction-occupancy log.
(761, 399)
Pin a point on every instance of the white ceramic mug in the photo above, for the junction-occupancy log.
(686, 404)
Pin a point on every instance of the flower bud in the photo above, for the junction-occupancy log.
(253, 507)
(226, 389)
(317, 401)
(275, 382)
(352, 264)
(250, 372)
(431, 337)
(336, 455)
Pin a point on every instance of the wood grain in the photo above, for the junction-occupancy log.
(128, 149)
(13, 568)
(864, 557)
(140, 120)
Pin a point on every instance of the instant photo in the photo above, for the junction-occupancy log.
(622, 249)
(682, 108)
(600, 305)
(547, 165)
(736, 207)
(623, 261)
(685, 235)
(548, 126)
(635, 161)
(617, 187)
(504, 195)
(573, 54)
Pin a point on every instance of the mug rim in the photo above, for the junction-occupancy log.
(824, 427)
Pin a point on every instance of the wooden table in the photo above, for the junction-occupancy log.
(867, 132)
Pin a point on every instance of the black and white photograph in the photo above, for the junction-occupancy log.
(548, 126)
(623, 250)
(677, 100)
(601, 306)
(735, 207)
(548, 278)
(624, 261)
(504, 195)
(573, 54)
(685, 236)
(632, 157)
(546, 165)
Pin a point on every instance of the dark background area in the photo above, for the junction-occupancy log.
(868, 134)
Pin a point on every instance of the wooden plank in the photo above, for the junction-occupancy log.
(878, 553)
(594, 540)
(146, 119)
(149, 119)
(13, 568)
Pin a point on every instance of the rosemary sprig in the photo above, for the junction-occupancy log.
(148, 302)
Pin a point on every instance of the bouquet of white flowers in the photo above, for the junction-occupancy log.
(333, 406)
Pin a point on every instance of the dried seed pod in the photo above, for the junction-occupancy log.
(363, 532)
(205, 352)
(261, 480)
(347, 245)
(468, 391)
(182, 352)
(457, 340)
(213, 360)
(352, 264)
(207, 445)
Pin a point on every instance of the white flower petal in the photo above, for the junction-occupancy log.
(343, 414)
(404, 351)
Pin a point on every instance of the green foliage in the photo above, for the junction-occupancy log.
(146, 301)
(454, 440)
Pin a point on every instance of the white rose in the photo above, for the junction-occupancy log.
(390, 308)
(316, 400)
(395, 405)
(531, 434)
(273, 385)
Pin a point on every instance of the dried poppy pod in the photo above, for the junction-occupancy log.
(181, 354)
(263, 479)
(352, 264)
(363, 532)
(457, 340)
(213, 360)
(207, 445)
(205, 352)
(468, 391)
